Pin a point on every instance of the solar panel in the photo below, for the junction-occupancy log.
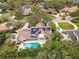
(71, 35)
(77, 33)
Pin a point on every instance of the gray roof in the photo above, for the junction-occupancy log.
(77, 33)
(71, 35)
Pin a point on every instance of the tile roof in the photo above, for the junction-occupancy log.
(3, 27)
(71, 9)
(52, 10)
(26, 34)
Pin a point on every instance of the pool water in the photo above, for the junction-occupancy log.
(31, 45)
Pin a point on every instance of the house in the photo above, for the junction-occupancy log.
(3, 27)
(70, 9)
(26, 10)
(39, 32)
(50, 10)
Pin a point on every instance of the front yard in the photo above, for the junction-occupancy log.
(53, 26)
(66, 26)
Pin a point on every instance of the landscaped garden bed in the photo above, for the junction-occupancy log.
(66, 26)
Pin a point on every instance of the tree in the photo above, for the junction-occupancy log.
(9, 52)
(3, 1)
(28, 52)
(59, 50)
(69, 2)
(2, 37)
(15, 4)
(58, 4)
(37, 15)
(5, 6)
(48, 4)
(11, 4)
(36, 1)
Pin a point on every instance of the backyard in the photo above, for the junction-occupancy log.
(66, 26)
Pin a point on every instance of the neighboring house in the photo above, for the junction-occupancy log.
(40, 31)
(11, 23)
(50, 10)
(3, 27)
(26, 10)
(76, 1)
(70, 9)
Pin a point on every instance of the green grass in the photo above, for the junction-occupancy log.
(53, 26)
(66, 26)
(76, 22)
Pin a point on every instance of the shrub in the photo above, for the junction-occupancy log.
(66, 26)
(32, 24)
(28, 52)
(76, 21)
(53, 26)
(8, 52)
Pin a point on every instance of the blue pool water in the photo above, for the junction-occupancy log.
(31, 45)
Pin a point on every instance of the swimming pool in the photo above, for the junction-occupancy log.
(31, 45)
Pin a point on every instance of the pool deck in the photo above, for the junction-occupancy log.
(41, 42)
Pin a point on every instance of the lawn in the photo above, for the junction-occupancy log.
(76, 22)
(66, 26)
(53, 26)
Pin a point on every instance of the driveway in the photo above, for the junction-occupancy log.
(68, 20)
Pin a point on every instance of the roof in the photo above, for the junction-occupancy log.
(31, 33)
(71, 35)
(71, 9)
(52, 10)
(24, 34)
(3, 27)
